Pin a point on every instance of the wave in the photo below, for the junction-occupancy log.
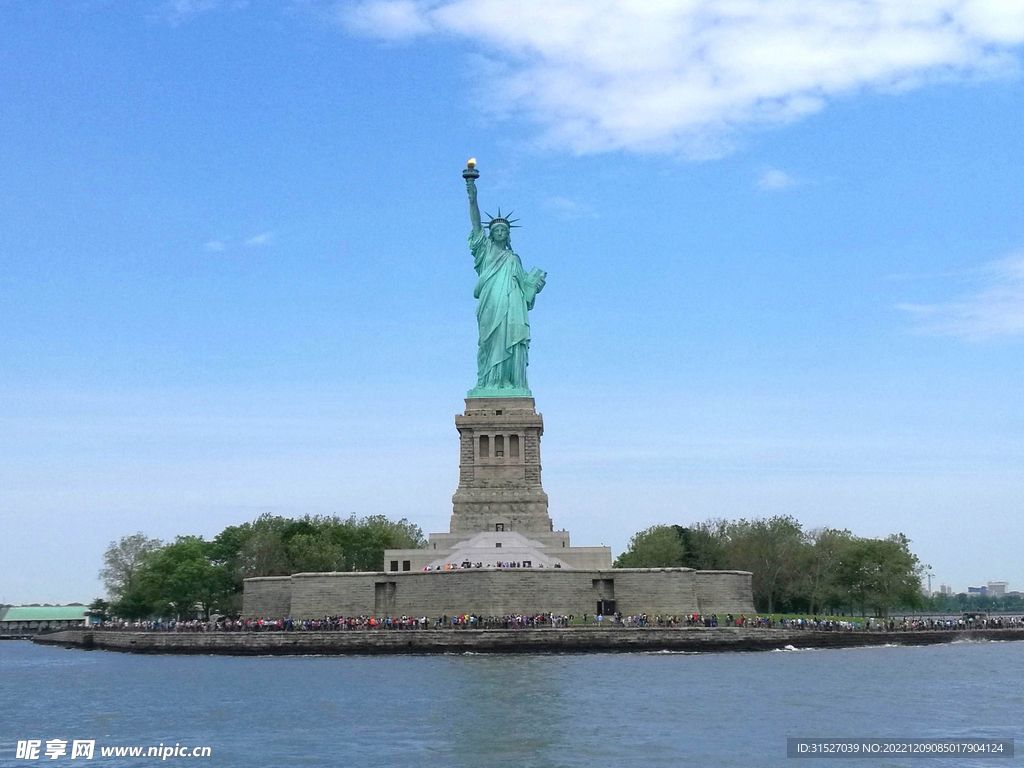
(667, 652)
(976, 641)
(794, 649)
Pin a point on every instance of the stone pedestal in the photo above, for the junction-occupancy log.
(499, 468)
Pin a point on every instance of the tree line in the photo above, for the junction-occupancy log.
(823, 570)
(191, 577)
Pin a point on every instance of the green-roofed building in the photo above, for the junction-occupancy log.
(21, 620)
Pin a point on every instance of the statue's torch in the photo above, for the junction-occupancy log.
(471, 172)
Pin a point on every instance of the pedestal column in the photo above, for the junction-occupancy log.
(499, 467)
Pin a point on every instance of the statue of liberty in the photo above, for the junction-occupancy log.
(504, 293)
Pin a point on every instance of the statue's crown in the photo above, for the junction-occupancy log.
(499, 219)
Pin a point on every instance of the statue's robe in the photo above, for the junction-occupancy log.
(505, 292)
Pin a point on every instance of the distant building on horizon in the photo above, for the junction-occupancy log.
(945, 589)
(977, 591)
(997, 588)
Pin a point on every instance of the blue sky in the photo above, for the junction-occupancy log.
(785, 250)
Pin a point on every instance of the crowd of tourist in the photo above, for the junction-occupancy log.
(349, 623)
(501, 564)
(826, 624)
(905, 624)
(922, 623)
(560, 621)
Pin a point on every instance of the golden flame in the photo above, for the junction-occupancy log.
(471, 163)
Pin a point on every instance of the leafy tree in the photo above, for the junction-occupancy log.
(133, 606)
(818, 580)
(315, 552)
(191, 576)
(898, 578)
(376, 533)
(99, 609)
(772, 549)
(254, 549)
(798, 570)
(264, 554)
(656, 547)
(181, 578)
(278, 546)
(704, 545)
(249, 549)
(881, 574)
(122, 562)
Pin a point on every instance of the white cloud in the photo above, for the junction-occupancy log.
(178, 10)
(394, 19)
(264, 238)
(570, 209)
(995, 308)
(772, 179)
(685, 75)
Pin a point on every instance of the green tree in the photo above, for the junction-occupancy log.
(254, 549)
(656, 547)
(134, 606)
(881, 574)
(193, 576)
(315, 552)
(705, 545)
(899, 575)
(824, 568)
(772, 550)
(182, 579)
(818, 581)
(376, 533)
(122, 562)
(99, 609)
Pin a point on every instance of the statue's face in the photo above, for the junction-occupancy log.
(499, 234)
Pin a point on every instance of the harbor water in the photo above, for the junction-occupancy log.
(657, 709)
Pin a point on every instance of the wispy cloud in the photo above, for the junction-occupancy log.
(772, 179)
(993, 309)
(178, 11)
(264, 238)
(688, 75)
(388, 20)
(221, 244)
(570, 209)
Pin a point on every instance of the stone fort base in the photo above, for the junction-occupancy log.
(499, 592)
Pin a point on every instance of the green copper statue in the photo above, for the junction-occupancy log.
(504, 294)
